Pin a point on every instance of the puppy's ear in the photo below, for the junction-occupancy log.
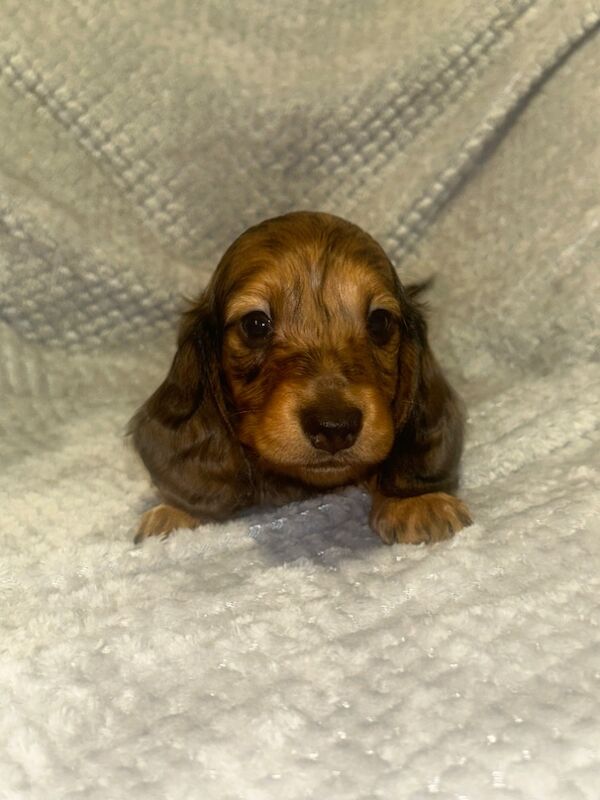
(428, 415)
(192, 380)
(415, 290)
(182, 432)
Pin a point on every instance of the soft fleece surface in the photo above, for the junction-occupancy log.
(287, 654)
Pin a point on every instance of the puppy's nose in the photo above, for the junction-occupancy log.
(332, 429)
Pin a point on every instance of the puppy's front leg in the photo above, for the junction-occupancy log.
(412, 520)
(163, 520)
(412, 500)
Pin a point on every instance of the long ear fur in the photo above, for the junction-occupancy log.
(182, 433)
(429, 419)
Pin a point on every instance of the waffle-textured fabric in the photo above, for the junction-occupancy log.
(288, 654)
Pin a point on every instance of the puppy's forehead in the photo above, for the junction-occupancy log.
(326, 267)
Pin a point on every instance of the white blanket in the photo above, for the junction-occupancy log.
(288, 654)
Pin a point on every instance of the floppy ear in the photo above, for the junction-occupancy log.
(182, 432)
(429, 417)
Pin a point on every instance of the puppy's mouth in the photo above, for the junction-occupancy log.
(327, 465)
(326, 472)
(321, 467)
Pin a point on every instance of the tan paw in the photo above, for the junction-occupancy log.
(413, 520)
(162, 520)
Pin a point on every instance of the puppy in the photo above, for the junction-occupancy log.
(304, 365)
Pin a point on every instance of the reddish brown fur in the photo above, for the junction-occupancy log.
(224, 430)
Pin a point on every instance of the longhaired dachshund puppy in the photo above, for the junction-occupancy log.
(303, 366)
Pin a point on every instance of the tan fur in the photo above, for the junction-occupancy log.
(162, 520)
(414, 520)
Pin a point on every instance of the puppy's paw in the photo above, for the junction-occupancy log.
(162, 520)
(425, 518)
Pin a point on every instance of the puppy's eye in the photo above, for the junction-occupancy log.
(257, 326)
(380, 325)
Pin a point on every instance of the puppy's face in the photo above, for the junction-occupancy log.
(312, 334)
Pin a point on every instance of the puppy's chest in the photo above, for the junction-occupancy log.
(276, 490)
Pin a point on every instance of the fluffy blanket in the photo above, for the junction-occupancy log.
(288, 654)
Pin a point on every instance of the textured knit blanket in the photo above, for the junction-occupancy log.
(288, 654)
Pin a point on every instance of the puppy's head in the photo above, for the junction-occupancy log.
(316, 345)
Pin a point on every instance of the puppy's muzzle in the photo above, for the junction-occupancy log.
(332, 428)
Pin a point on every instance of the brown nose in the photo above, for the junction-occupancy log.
(332, 429)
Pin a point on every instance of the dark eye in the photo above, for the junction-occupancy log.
(257, 326)
(380, 325)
